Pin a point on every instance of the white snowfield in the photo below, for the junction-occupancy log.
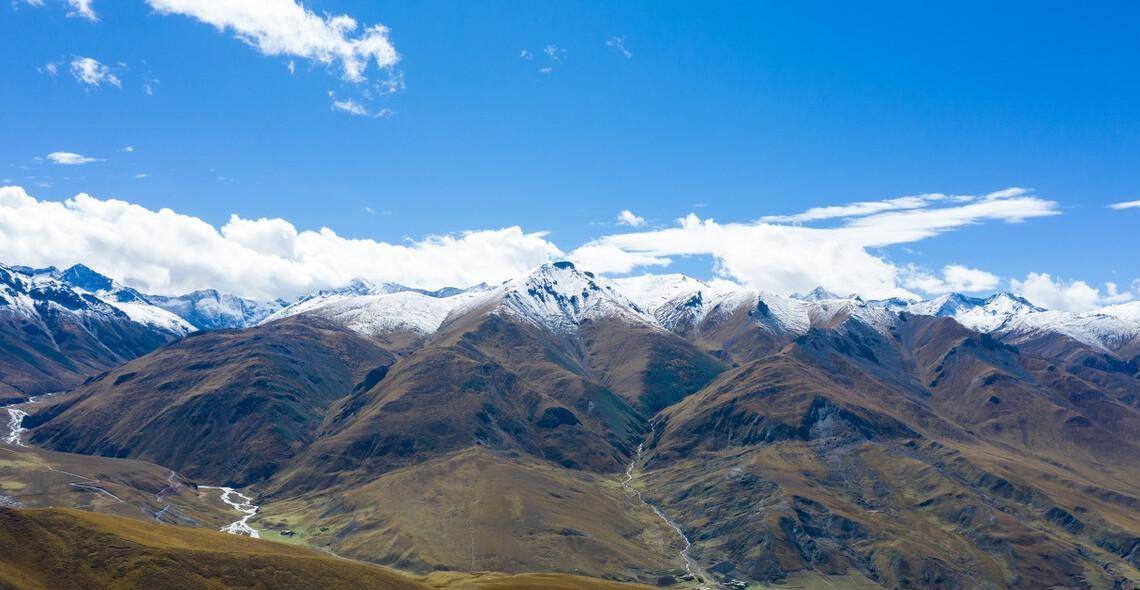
(381, 311)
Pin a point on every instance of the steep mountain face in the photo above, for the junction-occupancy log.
(54, 334)
(210, 310)
(399, 316)
(556, 365)
(224, 406)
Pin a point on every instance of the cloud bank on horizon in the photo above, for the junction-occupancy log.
(167, 252)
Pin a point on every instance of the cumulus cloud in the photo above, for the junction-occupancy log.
(1042, 289)
(91, 72)
(1125, 205)
(70, 158)
(794, 258)
(627, 217)
(955, 278)
(82, 9)
(287, 28)
(166, 252)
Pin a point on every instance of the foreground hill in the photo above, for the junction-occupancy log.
(73, 550)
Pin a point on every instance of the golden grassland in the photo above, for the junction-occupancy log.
(65, 549)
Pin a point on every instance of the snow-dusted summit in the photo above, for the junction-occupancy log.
(375, 310)
(559, 297)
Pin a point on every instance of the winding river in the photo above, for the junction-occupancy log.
(691, 566)
(244, 505)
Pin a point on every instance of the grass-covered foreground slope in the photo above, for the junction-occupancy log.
(63, 549)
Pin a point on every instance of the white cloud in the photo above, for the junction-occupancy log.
(91, 72)
(627, 217)
(166, 252)
(142, 175)
(127, 149)
(82, 9)
(287, 28)
(1042, 289)
(618, 43)
(1125, 205)
(863, 208)
(955, 278)
(351, 107)
(354, 107)
(791, 258)
(70, 158)
(554, 52)
(527, 55)
(51, 69)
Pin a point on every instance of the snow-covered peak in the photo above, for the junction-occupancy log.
(818, 294)
(1129, 312)
(209, 309)
(1017, 319)
(950, 304)
(675, 299)
(377, 311)
(559, 297)
(87, 279)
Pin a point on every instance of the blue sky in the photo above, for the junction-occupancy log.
(733, 112)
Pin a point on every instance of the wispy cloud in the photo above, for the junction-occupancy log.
(794, 258)
(82, 9)
(91, 72)
(356, 108)
(1125, 205)
(287, 28)
(618, 44)
(70, 158)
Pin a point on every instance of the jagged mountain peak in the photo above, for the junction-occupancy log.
(86, 278)
(819, 294)
(558, 296)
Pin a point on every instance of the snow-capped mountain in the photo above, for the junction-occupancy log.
(559, 297)
(1016, 319)
(678, 302)
(375, 310)
(675, 300)
(209, 309)
(98, 290)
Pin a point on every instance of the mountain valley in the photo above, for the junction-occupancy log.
(566, 423)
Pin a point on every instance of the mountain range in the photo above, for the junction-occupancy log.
(655, 429)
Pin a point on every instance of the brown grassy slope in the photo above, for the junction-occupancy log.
(847, 451)
(227, 406)
(481, 510)
(65, 549)
(36, 478)
(61, 351)
(69, 549)
(491, 381)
